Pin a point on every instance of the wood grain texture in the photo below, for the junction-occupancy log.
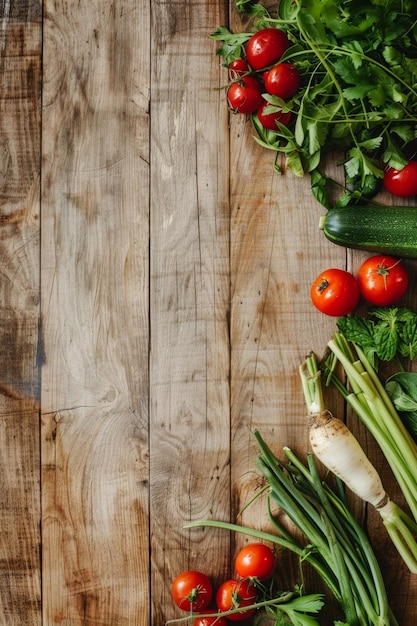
(20, 66)
(189, 368)
(95, 204)
(154, 300)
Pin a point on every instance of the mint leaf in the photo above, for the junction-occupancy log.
(359, 330)
(408, 338)
(385, 334)
(386, 341)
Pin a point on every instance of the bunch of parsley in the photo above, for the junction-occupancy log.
(358, 95)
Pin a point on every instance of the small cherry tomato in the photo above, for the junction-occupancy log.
(234, 594)
(192, 591)
(402, 183)
(266, 47)
(335, 292)
(210, 621)
(382, 280)
(238, 67)
(245, 95)
(282, 80)
(256, 560)
(269, 120)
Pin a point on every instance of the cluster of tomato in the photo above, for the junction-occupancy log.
(251, 78)
(381, 280)
(193, 591)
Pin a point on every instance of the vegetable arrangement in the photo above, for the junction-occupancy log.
(346, 71)
(324, 76)
(316, 77)
(253, 589)
(334, 545)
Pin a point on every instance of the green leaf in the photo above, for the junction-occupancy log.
(371, 144)
(408, 338)
(299, 133)
(232, 46)
(386, 341)
(317, 133)
(358, 92)
(252, 8)
(359, 330)
(294, 163)
(319, 184)
(402, 389)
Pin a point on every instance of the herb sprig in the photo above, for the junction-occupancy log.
(387, 333)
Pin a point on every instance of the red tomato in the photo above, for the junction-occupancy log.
(266, 47)
(192, 591)
(402, 183)
(282, 80)
(210, 621)
(382, 280)
(245, 95)
(269, 120)
(238, 67)
(335, 292)
(234, 594)
(256, 560)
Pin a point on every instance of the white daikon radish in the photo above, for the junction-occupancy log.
(337, 448)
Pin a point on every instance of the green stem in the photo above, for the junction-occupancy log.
(369, 580)
(376, 411)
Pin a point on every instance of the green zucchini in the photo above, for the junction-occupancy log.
(379, 229)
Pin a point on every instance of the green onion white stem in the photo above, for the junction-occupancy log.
(370, 401)
(334, 444)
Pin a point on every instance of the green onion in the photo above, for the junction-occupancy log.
(373, 406)
(334, 543)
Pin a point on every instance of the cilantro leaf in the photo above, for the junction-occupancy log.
(232, 46)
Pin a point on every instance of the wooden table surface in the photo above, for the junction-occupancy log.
(154, 294)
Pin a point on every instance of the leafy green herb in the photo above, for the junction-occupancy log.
(232, 46)
(386, 334)
(358, 94)
(402, 389)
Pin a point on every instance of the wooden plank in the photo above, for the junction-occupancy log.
(189, 298)
(20, 584)
(95, 183)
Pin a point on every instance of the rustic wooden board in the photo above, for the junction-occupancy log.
(95, 205)
(154, 285)
(20, 65)
(189, 312)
